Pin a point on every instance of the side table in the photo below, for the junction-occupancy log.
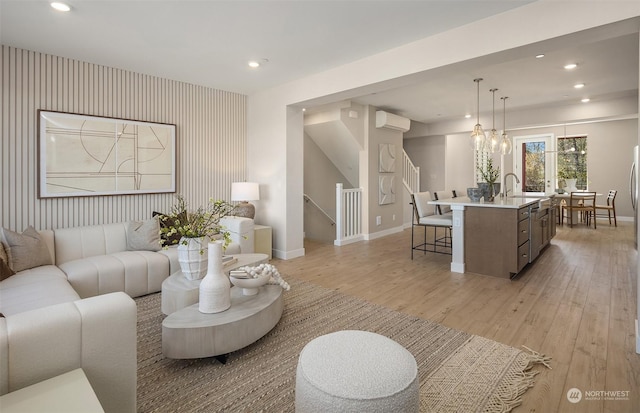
(188, 333)
(69, 392)
(263, 240)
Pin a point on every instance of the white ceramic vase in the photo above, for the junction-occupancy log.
(193, 257)
(215, 288)
(571, 185)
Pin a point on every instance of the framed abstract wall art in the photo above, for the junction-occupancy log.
(80, 155)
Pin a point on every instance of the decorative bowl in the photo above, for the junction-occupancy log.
(250, 285)
(474, 194)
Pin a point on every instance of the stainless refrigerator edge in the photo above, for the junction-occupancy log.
(634, 185)
(633, 191)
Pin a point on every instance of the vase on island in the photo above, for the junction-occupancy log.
(215, 288)
(489, 191)
(192, 257)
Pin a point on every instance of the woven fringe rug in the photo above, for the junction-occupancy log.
(459, 372)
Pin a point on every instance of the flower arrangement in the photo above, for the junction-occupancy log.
(491, 173)
(202, 222)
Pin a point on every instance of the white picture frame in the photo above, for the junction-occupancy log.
(81, 155)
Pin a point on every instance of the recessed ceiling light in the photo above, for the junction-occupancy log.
(540, 56)
(570, 66)
(254, 64)
(578, 85)
(467, 116)
(60, 6)
(585, 100)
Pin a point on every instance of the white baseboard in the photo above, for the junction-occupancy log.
(381, 234)
(288, 255)
(347, 241)
(457, 267)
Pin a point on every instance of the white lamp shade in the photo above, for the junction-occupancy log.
(245, 191)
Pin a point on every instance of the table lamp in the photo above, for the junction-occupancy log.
(244, 192)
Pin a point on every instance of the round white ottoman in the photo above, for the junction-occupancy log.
(356, 371)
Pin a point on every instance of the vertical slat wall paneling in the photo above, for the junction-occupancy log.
(210, 136)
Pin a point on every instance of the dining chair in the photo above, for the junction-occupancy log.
(609, 208)
(583, 203)
(426, 215)
(443, 209)
(558, 204)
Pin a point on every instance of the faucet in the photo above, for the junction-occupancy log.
(504, 183)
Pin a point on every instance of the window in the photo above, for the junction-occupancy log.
(572, 161)
(534, 166)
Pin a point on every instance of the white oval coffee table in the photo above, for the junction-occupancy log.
(188, 333)
(179, 292)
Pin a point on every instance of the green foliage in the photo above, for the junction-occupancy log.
(534, 167)
(572, 164)
(203, 222)
(490, 174)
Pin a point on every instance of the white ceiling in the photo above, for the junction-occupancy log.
(209, 43)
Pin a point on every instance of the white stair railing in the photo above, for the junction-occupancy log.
(410, 174)
(348, 215)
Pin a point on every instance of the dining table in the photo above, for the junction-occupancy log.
(566, 196)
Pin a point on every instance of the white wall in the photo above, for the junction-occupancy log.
(429, 154)
(391, 215)
(211, 136)
(609, 156)
(320, 178)
(270, 134)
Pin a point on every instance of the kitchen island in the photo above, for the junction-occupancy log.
(499, 238)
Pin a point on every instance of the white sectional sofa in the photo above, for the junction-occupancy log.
(78, 311)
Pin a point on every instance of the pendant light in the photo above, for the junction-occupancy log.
(492, 140)
(478, 138)
(505, 142)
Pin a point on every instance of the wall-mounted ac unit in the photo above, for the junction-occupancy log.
(391, 121)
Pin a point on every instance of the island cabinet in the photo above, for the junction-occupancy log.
(496, 240)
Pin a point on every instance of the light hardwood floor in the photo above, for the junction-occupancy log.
(575, 303)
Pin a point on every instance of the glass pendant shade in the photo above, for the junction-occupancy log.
(478, 137)
(493, 139)
(505, 142)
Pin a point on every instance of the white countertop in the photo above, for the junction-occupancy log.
(512, 202)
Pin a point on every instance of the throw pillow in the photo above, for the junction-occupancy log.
(143, 235)
(26, 250)
(5, 270)
(165, 222)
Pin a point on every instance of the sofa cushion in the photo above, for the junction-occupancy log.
(35, 288)
(143, 235)
(82, 242)
(134, 272)
(26, 250)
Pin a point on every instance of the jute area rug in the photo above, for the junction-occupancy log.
(459, 372)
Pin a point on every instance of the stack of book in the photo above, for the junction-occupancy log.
(240, 274)
(228, 260)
